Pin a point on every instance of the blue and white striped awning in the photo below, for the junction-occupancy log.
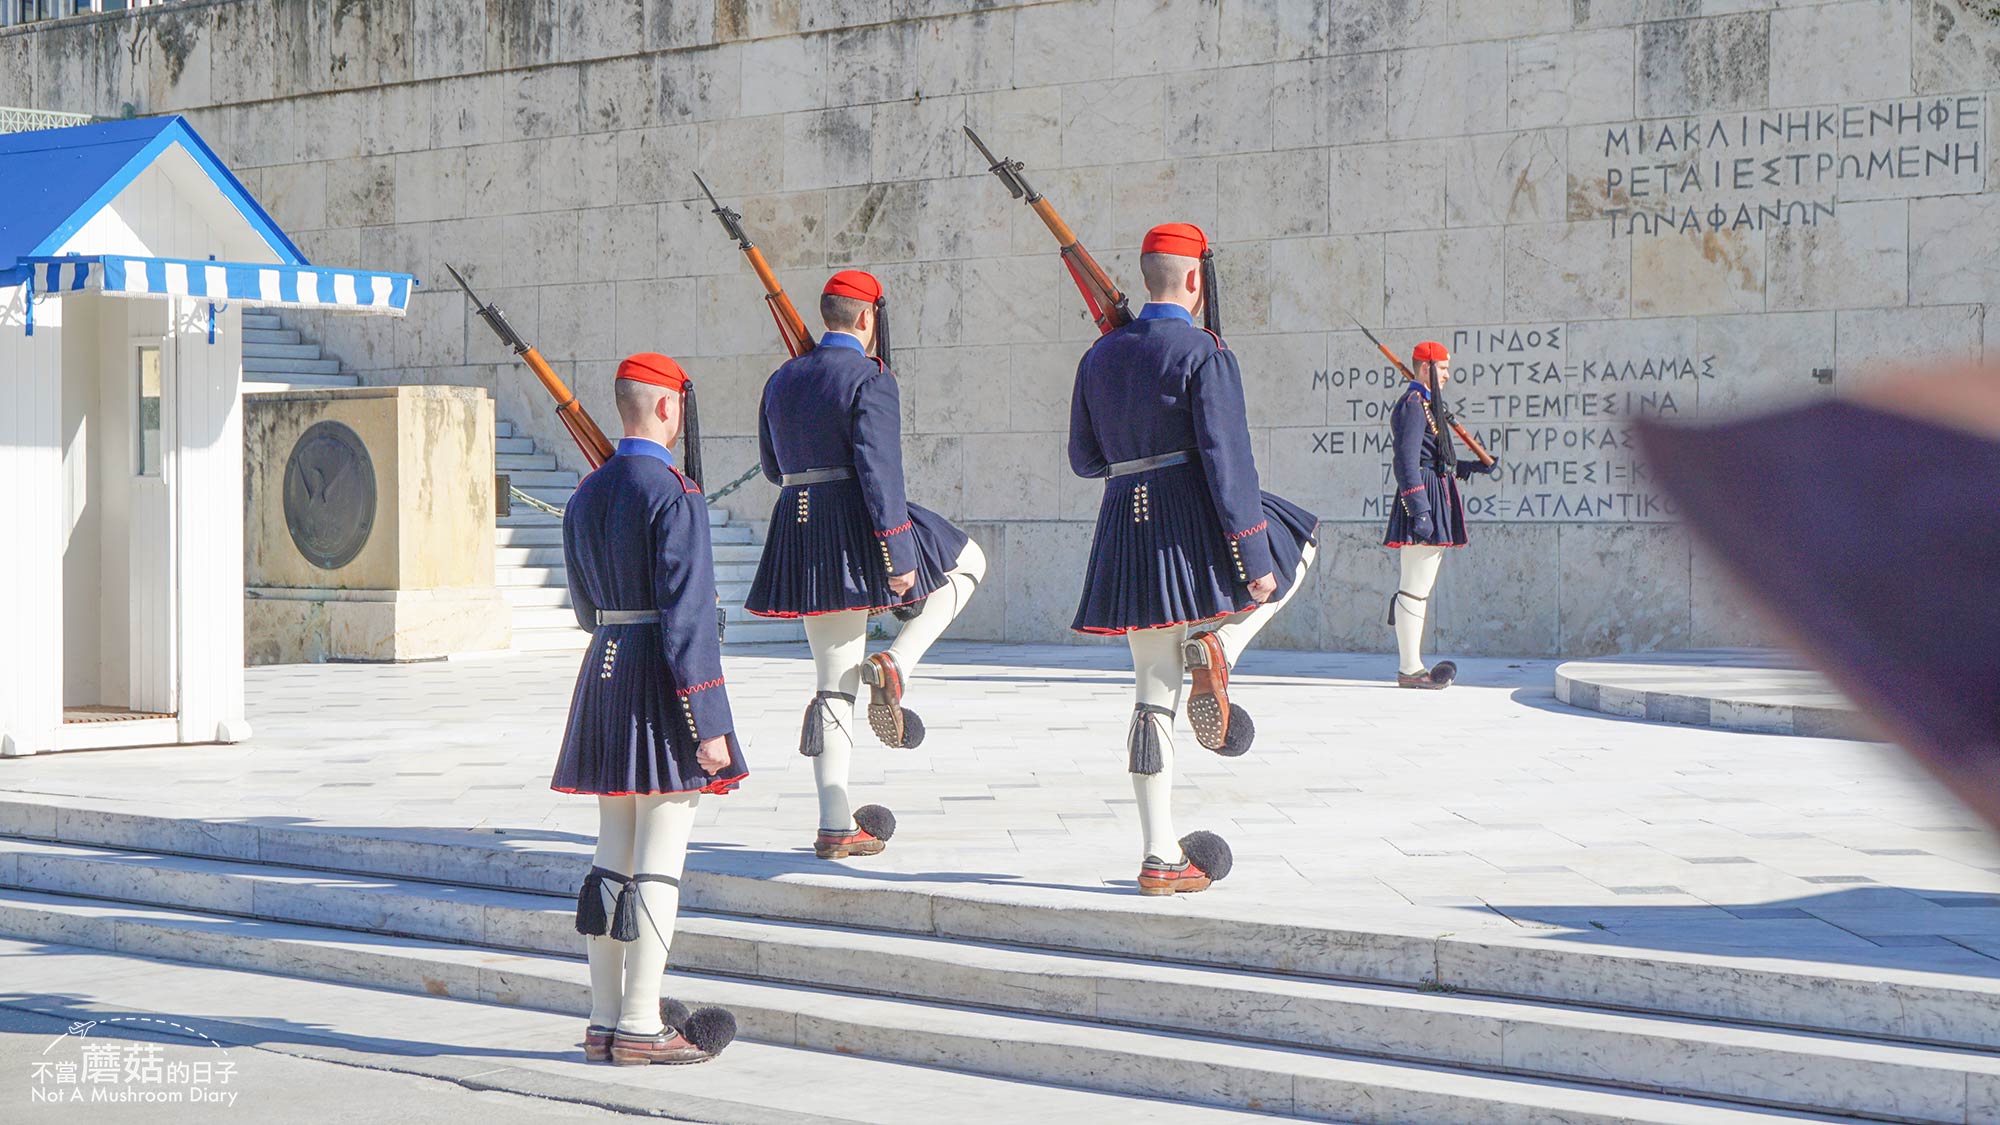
(242, 283)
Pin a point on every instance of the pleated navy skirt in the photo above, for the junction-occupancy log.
(1162, 562)
(821, 554)
(1447, 515)
(627, 732)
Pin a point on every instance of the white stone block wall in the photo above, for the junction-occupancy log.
(1603, 206)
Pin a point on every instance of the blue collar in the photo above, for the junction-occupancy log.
(1421, 389)
(644, 447)
(842, 340)
(1165, 310)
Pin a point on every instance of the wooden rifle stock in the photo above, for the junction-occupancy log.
(1108, 307)
(791, 326)
(1450, 419)
(597, 449)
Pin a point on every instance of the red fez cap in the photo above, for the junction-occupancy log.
(855, 284)
(1184, 239)
(1430, 351)
(654, 368)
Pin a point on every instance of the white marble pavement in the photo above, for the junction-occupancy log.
(1489, 808)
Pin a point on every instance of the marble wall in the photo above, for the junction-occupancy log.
(1605, 207)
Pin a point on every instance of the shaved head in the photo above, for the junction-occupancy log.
(1166, 276)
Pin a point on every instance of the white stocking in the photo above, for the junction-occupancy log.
(1239, 629)
(839, 641)
(615, 830)
(1156, 676)
(944, 604)
(1420, 572)
(663, 823)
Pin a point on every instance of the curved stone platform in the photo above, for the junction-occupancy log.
(1757, 690)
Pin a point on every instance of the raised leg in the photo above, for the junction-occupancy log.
(1239, 629)
(940, 609)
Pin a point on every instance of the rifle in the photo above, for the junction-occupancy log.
(1107, 305)
(597, 449)
(791, 326)
(1450, 419)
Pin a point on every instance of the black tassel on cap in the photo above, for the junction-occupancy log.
(882, 333)
(1211, 313)
(690, 436)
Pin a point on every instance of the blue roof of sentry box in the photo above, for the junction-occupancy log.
(53, 180)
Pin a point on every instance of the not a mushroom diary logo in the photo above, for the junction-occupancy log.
(90, 1065)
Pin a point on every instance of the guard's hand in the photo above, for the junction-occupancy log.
(713, 754)
(1262, 589)
(1424, 525)
(900, 584)
(1492, 470)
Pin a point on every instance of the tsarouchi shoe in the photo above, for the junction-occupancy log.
(896, 726)
(1219, 725)
(1436, 679)
(597, 1043)
(873, 827)
(1208, 862)
(699, 1037)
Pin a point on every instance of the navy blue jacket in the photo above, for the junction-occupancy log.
(635, 536)
(1159, 385)
(836, 407)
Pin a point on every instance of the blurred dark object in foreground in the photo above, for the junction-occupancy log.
(1870, 532)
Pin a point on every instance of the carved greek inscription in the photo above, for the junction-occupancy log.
(1782, 167)
(1553, 410)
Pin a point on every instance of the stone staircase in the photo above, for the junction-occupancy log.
(1121, 996)
(527, 558)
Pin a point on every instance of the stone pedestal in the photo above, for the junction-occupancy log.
(369, 525)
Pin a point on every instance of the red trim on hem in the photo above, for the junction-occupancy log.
(1119, 631)
(701, 687)
(1451, 546)
(1249, 533)
(789, 615)
(720, 786)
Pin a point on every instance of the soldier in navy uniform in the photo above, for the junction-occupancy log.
(1191, 558)
(845, 543)
(1428, 515)
(649, 725)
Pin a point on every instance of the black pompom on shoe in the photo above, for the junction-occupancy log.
(673, 1013)
(876, 821)
(1209, 852)
(1242, 732)
(1445, 672)
(710, 1029)
(913, 730)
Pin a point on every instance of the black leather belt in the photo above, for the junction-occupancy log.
(1147, 464)
(627, 617)
(818, 476)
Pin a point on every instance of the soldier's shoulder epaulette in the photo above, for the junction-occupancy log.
(687, 484)
(1220, 346)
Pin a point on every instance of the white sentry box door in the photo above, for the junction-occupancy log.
(152, 362)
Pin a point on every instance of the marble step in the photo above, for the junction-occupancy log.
(505, 429)
(523, 1051)
(551, 485)
(527, 460)
(1885, 1001)
(280, 351)
(269, 336)
(540, 594)
(274, 365)
(284, 382)
(531, 639)
(262, 321)
(1563, 1042)
(1311, 1085)
(514, 446)
(760, 631)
